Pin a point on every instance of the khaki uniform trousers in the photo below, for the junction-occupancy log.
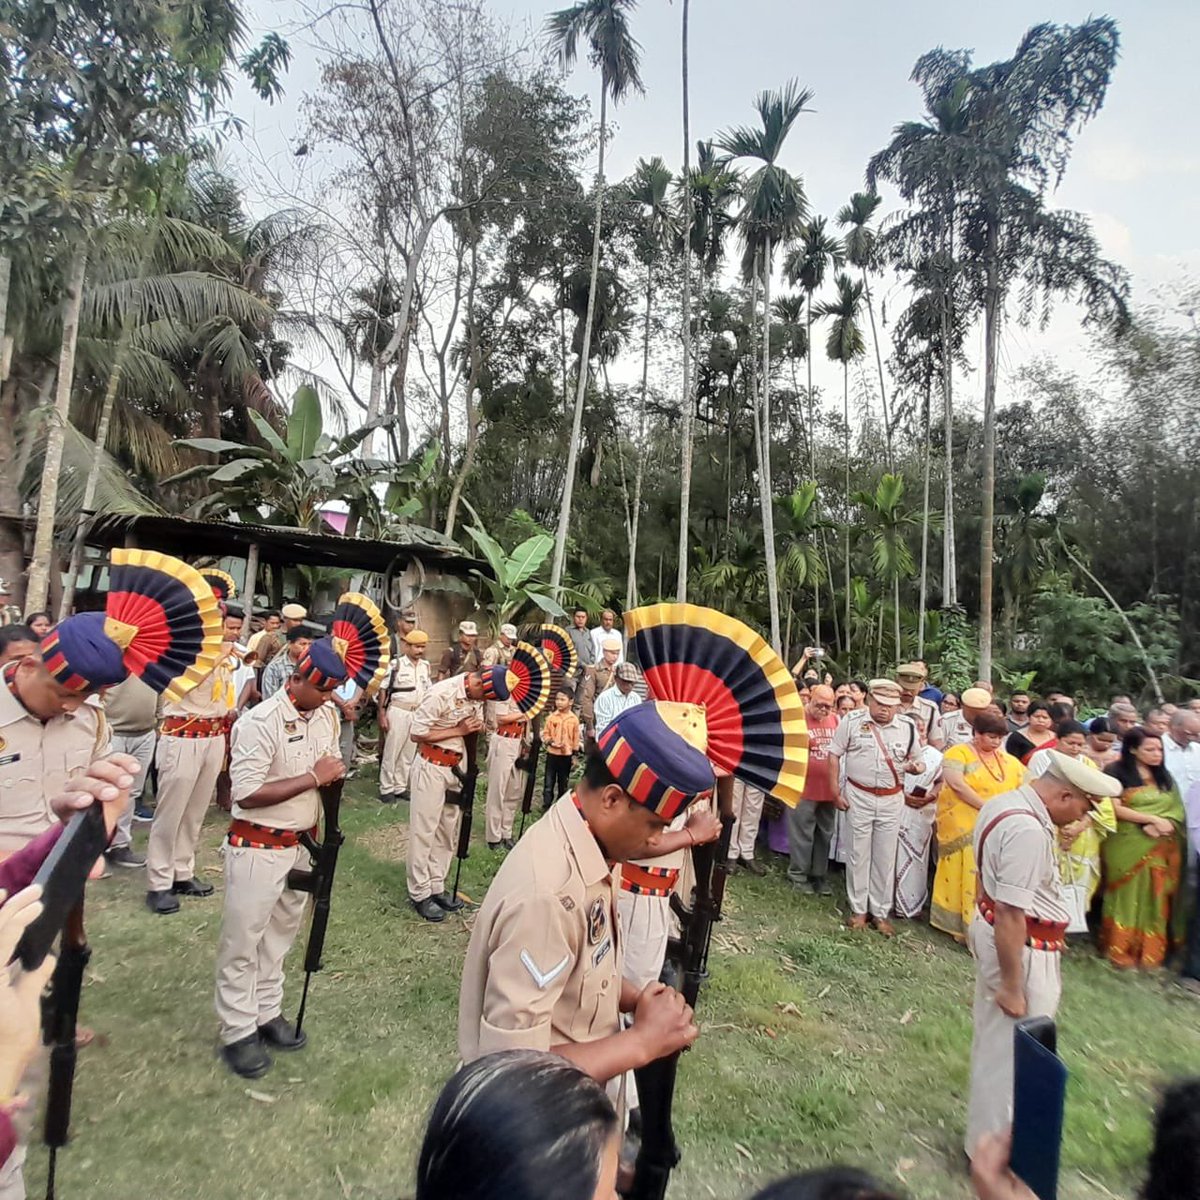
(432, 829)
(645, 927)
(261, 919)
(399, 751)
(187, 780)
(871, 865)
(504, 787)
(12, 1175)
(990, 1107)
(747, 811)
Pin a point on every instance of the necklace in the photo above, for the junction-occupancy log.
(997, 775)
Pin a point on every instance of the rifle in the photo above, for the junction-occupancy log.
(468, 780)
(528, 762)
(60, 1014)
(685, 968)
(319, 881)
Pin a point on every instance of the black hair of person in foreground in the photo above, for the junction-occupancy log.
(829, 1183)
(1175, 1157)
(520, 1125)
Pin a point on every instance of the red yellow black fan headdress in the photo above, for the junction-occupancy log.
(161, 621)
(753, 712)
(529, 680)
(558, 649)
(360, 638)
(221, 582)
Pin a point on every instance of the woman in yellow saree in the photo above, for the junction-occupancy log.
(972, 774)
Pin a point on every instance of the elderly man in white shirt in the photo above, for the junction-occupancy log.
(607, 628)
(1181, 756)
(615, 700)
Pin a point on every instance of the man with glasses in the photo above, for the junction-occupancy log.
(810, 823)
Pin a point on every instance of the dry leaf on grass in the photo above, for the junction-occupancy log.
(743, 1151)
(261, 1097)
(908, 1016)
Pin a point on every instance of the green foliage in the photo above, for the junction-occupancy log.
(512, 588)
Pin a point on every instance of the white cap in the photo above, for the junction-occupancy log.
(293, 612)
(468, 628)
(509, 631)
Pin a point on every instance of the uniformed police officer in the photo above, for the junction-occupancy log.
(191, 753)
(501, 650)
(464, 656)
(597, 678)
(958, 727)
(284, 749)
(505, 780)
(1021, 922)
(879, 748)
(924, 713)
(450, 711)
(397, 704)
(544, 965)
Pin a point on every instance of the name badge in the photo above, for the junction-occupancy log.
(602, 952)
(298, 738)
(8, 759)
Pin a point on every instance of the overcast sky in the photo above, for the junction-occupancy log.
(1136, 169)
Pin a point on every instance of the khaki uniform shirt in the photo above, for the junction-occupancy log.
(445, 705)
(863, 760)
(131, 707)
(544, 963)
(595, 680)
(410, 681)
(927, 717)
(506, 712)
(37, 759)
(496, 653)
(213, 696)
(1019, 864)
(956, 730)
(273, 741)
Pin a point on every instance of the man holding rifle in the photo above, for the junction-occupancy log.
(543, 969)
(285, 750)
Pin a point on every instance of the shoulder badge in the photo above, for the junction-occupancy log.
(597, 921)
(565, 901)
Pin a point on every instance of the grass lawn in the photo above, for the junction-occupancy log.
(817, 1046)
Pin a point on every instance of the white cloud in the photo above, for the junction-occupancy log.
(1120, 162)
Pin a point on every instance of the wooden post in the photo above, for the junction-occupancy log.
(249, 582)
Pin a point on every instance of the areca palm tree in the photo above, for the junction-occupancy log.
(844, 345)
(774, 212)
(801, 562)
(604, 26)
(860, 239)
(888, 521)
(648, 188)
(685, 470)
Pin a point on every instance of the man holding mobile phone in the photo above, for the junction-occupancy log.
(1018, 934)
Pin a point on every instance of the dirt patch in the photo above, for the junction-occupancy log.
(387, 844)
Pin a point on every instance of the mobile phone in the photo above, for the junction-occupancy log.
(1039, 1093)
(817, 652)
(62, 877)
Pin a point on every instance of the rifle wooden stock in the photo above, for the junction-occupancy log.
(60, 1016)
(319, 881)
(685, 968)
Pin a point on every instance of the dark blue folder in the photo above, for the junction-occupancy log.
(1039, 1091)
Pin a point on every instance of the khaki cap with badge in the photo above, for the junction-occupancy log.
(611, 642)
(293, 612)
(416, 637)
(885, 691)
(912, 670)
(1089, 781)
(975, 697)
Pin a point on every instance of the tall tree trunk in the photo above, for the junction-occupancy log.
(765, 489)
(43, 539)
(924, 533)
(887, 416)
(949, 552)
(5, 340)
(812, 460)
(564, 512)
(846, 414)
(685, 424)
(991, 326)
(896, 613)
(639, 469)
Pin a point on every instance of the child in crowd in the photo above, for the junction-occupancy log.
(562, 736)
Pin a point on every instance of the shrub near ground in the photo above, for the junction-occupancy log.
(817, 1046)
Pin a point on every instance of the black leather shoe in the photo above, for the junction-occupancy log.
(387, 797)
(161, 903)
(281, 1034)
(753, 866)
(403, 796)
(192, 887)
(508, 843)
(247, 1058)
(493, 845)
(447, 902)
(429, 909)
